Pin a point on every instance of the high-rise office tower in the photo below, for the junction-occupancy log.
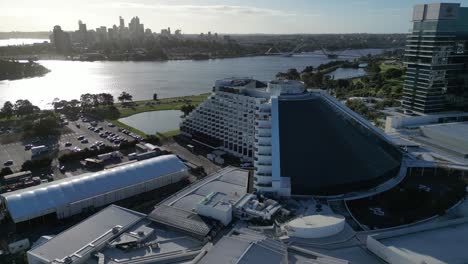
(437, 59)
(61, 40)
(122, 23)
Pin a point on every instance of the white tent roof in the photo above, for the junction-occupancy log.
(43, 199)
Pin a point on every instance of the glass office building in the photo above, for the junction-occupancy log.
(436, 55)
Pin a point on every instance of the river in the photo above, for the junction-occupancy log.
(21, 41)
(69, 79)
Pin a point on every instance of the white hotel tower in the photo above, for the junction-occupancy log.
(301, 142)
(237, 118)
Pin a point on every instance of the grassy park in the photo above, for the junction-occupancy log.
(122, 110)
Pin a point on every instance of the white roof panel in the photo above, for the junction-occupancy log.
(39, 200)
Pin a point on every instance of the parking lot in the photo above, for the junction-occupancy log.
(81, 128)
(18, 154)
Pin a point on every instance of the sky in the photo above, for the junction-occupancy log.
(222, 16)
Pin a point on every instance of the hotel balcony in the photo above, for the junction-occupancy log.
(262, 179)
(263, 135)
(263, 131)
(263, 168)
(263, 124)
(263, 149)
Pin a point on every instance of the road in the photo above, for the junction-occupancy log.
(195, 158)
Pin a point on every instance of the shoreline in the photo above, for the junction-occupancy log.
(45, 57)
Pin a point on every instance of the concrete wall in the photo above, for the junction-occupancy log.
(385, 253)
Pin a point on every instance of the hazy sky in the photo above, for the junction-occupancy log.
(234, 16)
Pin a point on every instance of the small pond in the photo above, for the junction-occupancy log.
(155, 121)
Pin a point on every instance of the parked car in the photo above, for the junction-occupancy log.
(68, 144)
(80, 137)
(110, 125)
(84, 141)
(76, 149)
(8, 163)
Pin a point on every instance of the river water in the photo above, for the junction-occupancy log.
(21, 41)
(69, 79)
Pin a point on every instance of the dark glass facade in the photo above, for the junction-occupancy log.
(323, 150)
(436, 55)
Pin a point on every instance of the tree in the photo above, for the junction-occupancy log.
(187, 109)
(106, 99)
(46, 125)
(308, 69)
(7, 109)
(4, 172)
(86, 101)
(23, 107)
(393, 73)
(125, 97)
(290, 74)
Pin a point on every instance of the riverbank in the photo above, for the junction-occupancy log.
(14, 70)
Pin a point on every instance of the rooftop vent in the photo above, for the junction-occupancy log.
(116, 229)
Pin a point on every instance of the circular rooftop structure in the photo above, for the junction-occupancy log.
(315, 226)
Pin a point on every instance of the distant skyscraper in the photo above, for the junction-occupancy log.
(122, 23)
(82, 32)
(136, 29)
(81, 26)
(437, 59)
(61, 40)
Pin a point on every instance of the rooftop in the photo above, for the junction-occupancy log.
(216, 200)
(246, 246)
(43, 199)
(435, 243)
(87, 235)
(452, 136)
(178, 210)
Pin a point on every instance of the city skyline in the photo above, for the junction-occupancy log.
(193, 17)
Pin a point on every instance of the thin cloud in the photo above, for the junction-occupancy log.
(210, 9)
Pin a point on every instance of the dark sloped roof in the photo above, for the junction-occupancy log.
(325, 151)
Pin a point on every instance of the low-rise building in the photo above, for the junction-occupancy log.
(215, 206)
(70, 196)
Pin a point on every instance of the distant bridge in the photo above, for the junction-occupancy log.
(331, 55)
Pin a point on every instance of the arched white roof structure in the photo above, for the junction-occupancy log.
(44, 199)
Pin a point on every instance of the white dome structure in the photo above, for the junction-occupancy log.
(315, 226)
(71, 195)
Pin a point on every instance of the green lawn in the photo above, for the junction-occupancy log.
(385, 67)
(163, 104)
(171, 133)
